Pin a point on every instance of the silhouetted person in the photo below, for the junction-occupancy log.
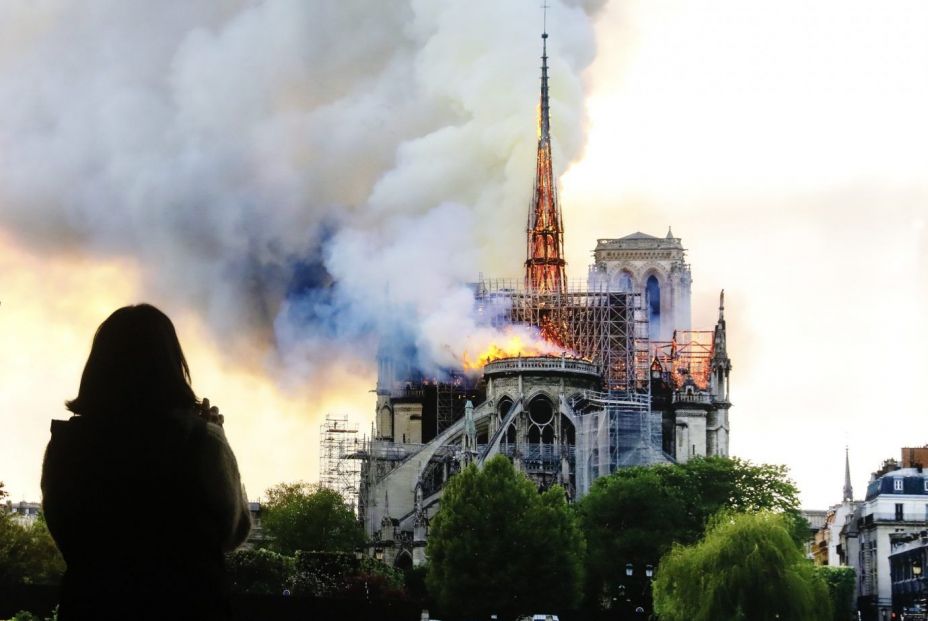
(140, 488)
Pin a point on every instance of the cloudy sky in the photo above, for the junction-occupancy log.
(230, 161)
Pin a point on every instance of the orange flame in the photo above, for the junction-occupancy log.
(511, 345)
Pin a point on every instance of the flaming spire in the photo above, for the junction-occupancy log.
(544, 263)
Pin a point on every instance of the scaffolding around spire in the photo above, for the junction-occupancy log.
(545, 267)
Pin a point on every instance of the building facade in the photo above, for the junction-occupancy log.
(907, 565)
(895, 507)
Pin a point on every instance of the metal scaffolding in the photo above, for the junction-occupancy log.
(607, 328)
(337, 470)
(687, 356)
(444, 406)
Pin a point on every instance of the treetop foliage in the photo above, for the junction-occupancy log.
(748, 567)
(28, 554)
(300, 516)
(841, 583)
(636, 514)
(496, 536)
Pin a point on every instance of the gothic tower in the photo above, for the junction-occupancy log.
(656, 267)
(544, 263)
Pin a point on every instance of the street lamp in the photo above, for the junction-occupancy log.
(917, 573)
(645, 592)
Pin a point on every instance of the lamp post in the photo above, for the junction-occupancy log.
(644, 608)
(920, 589)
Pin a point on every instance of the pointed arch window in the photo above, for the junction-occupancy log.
(653, 290)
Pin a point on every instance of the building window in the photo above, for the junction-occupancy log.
(926, 484)
(897, 485)
(898, 511)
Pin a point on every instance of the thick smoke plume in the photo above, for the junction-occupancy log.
(310, 174)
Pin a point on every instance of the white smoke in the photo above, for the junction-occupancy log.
(250, 154)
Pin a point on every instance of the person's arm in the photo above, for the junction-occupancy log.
(224, 496)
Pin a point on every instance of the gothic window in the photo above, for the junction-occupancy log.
(505, 404)
(534, 435)
(541, 421)
(511, 434)
(386, 423)
(547, 434)
(653, 290)
(623, 281)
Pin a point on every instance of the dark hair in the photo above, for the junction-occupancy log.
(135, 367)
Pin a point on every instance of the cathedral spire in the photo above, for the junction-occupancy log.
(544, 264)
(721, 363)
(719, 338)
(544, 129)
(848, 490)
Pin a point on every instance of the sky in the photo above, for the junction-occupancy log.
(230, 162)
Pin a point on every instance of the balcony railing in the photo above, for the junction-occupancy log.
(696, 397)
(539, 452)
(912, 516)
(545, 363)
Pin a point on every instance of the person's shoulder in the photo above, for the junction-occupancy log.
(59, 426)
(70, 428)
(215, 434)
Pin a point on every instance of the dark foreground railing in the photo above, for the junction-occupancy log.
(41, 600)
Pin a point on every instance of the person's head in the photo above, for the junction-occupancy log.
(136, 367)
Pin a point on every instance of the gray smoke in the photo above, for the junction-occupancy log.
(310, 172)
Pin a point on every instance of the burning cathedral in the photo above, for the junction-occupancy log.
(633, 384)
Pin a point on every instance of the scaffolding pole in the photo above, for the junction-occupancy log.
(339, 469)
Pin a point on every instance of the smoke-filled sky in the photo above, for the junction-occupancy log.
(288, 180)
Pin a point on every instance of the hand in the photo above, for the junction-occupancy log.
(208, 413)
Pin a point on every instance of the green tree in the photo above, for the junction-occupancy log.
(747, 568)
(299, 516)
(630, 518)
(841, 582)
(497, 545)
(28, 554)
(737, 485)
(636, 514)
(260, 571)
